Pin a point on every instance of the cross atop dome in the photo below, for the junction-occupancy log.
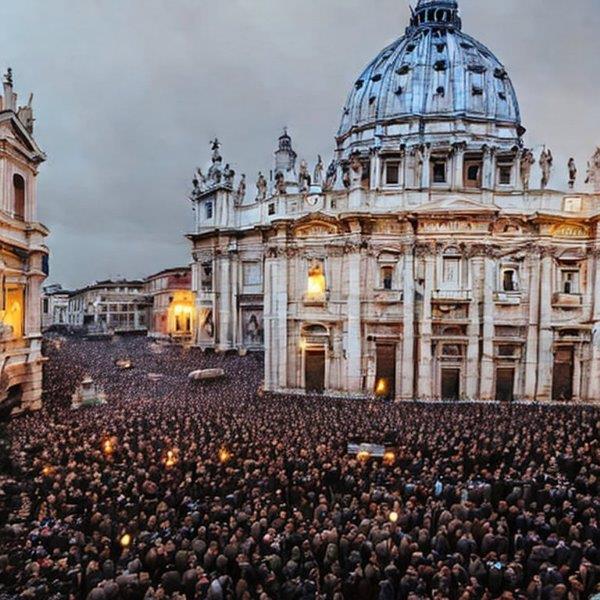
(436, 13)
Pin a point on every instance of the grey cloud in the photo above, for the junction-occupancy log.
(128, 94)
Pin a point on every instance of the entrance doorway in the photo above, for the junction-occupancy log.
(385, 379)
(450, 384)
(505, 385)
(314, 371)
(562, 378)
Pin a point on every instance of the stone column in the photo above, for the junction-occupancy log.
(425, 387)
(531, 351)
(486, 388)
(426, 176)
(223, 301)
(269, 319)
(375, 171)
(473, 376)
(545, 354)
(408, 341)
(487, 180)
(281, 330)
(458, 164)
(353, 333)
(593, 393)
(236, 342)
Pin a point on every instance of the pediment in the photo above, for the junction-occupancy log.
(12, 129)
(315, 225)
(457, 205)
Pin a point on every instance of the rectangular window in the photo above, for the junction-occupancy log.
(271, 209)
(387, 278)
(252, 274)
(392, 173)
(439, 171)
(209, 210)
(473, 173)
(451, 275)
(509, 280)
(570, 281)
(505, 174)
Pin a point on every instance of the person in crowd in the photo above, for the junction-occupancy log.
(182, 490)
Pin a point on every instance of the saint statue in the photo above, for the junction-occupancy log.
(261, 186)
(572, 173)
(280, 184)
(228, 176)
(241, 191)
(318, 174)
(527, 162)
(215, 173)
(593, 171)
(546, 160)
(304, 180)
(356, 172)
(331, 176)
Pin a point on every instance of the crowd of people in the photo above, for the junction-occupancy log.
(183, 490)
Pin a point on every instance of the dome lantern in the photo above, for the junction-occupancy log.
(436, 13)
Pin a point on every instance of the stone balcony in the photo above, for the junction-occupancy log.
(388, 296)
(311, 299)
(568, 301)
(452, 296)
(507, 298)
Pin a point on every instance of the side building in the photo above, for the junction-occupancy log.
(23, 255)
(438, 257)
(110, 307)
(55, 306)
(171, 304)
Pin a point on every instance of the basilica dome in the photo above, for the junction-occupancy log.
(434, 73)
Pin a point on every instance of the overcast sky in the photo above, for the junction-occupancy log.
(128, 94)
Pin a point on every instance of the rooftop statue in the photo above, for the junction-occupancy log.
(304, 180)
(318, 174)
(546, 161)
(228, 176)
(593, 171)
(356, 172)
(261, 186)
(527, 162)
(241, 191)
(331, 176)
(280, 184)
(572, 173)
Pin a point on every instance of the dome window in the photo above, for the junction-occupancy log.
(466, 46)
(403, 70)
(376, 77)
(500, 73)
(440, 65)
(372, 99)
(441, 91)
(399, 91)
(410, 48)
(358, 85)
(502, 95)
(477, 69)
(477, 91)
(440, 47)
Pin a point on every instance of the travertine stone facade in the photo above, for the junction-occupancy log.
(433, 259)
(23, 255)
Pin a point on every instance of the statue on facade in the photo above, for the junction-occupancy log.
(331, 176)
(593, 171)
(228, 176)
(215, 173)
(546, 160)
(318, 174)
(304, 180)
(280, 184)
(241, 190)
(419, 160)
(356, 172)
(527, 162)
(346, 179)
(261, 186)
(8, 77)
(572, 172)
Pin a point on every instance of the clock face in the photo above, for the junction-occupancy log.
(312, 200)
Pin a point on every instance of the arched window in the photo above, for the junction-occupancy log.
(19, 192)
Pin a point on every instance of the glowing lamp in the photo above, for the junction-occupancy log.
(125, 541)
(108, 447)
(389, 458)
(363, 455)
(382, 387)
(171, 458)
(393, 517)
(47, 471)
(224, 455)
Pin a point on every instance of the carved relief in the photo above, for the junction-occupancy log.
(570, 230)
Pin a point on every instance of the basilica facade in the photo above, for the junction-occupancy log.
(432, 258)
(23, 255)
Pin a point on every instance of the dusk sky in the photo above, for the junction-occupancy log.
(128, 94)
